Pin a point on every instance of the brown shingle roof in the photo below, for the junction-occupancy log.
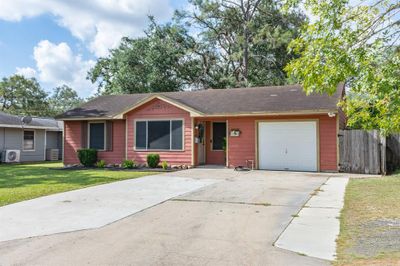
(274, 99)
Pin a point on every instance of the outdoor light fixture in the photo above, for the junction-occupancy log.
(331, 114)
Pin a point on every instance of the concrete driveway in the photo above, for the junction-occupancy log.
(234, 221)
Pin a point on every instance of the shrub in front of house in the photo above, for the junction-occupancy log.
(87, 157)
(164, 165)
(153, 159)
(129, 164)
(101, 164)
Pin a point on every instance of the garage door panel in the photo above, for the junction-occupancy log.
(288, 145)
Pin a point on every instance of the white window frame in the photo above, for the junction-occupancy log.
(147, 135)
(105, 134)
(34, 140)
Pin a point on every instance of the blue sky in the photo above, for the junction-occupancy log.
(57, 41)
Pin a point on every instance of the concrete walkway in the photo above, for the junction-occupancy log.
(317, 226)
(91, 207)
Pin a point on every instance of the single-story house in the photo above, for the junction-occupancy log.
(277, 128)
(32, 137)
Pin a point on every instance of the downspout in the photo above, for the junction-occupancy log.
(45, 145)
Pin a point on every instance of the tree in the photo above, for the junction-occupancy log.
(247, 40)
(219, 44)
(63, 98)
(160, 61)
(22, 96)
(357, 43)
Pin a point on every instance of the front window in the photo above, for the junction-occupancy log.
(29, 140)
(159, 135)
(97, 136)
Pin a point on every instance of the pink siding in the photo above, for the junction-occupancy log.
(72, 142)
(117, 154)
(328, 143)
(244, 147)
(158, 109)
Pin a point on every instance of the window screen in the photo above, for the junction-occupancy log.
(96, 136)
(29, 140)
(159, 135)
(141, 134)
(219, 133)
(176, 135)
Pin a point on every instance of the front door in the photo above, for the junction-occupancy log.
(216, 139)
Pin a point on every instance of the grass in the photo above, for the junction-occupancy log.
(365, 236)
(27, 181)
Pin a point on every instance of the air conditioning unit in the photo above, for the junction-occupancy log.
(52, 155)
(11, 156)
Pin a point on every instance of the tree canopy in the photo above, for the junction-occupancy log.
(23, 96)
(62, 99)
(356, 43)
(218, 44)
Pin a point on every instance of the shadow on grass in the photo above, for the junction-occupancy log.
(16, 176)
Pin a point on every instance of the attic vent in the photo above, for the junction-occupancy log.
(293, 89)
(274, 95)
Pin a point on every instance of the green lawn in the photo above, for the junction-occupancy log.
(27, 181)
(370, 222)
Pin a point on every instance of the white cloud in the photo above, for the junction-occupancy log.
(58, 65)
(27, 72)
(98, 23)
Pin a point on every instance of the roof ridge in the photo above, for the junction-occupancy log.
(204, 90)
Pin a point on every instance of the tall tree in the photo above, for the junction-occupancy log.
(22, 96)
(356, 42)
(63, 98)
(248, 39)
(160, 61)
(219, 44)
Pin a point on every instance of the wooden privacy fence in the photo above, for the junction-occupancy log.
(367, 152)
(362, 151)
(393, 152)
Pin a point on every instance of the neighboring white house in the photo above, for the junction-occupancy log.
(30, 139)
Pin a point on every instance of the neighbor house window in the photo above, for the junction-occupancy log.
(159, 135)
(218, 135)
(97, 135)
(29, 140)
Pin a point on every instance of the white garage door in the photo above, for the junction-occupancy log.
(287, 145)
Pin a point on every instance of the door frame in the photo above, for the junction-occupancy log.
(203, 145)
(316, 120)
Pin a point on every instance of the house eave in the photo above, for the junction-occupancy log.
(303, 112)
(30, 127)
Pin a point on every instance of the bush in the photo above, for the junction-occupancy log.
(101, 164)
(153, 160)
(164, 165)
(87, 157)
(129, 164)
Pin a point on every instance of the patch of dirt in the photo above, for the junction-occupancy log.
(377, 237)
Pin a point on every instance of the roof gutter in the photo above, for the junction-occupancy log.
(31, 127)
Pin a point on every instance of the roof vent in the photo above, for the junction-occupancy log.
(293, 89)
(273, 95)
